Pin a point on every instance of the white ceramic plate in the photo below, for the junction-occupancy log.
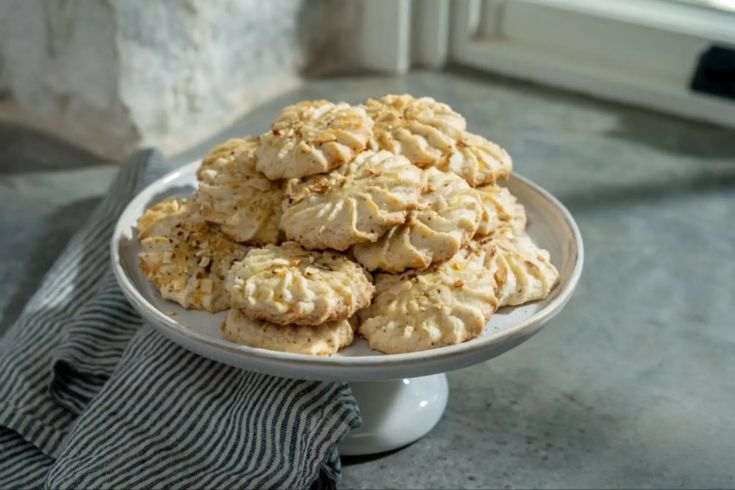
(550, 226)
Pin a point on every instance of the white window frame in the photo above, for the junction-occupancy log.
(641, 52)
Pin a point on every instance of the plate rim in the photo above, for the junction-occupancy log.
(175, 329)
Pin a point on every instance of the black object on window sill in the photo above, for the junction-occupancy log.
(715, 72)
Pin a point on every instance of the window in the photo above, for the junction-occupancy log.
(643, 52)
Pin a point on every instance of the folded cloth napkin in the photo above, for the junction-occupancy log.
(91, 397)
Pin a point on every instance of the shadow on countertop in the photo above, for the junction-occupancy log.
(24, 150)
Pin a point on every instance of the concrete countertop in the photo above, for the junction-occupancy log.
(633, 385)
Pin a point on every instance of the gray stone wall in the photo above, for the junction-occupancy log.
(113, 75)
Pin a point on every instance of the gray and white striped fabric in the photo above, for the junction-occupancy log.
(90, 397)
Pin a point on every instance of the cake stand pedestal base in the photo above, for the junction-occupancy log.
(395, 413)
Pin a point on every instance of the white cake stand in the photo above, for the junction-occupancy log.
(401, 396)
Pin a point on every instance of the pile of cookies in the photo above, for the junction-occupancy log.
(383, 219)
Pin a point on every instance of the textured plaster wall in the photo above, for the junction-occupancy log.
(113, 75)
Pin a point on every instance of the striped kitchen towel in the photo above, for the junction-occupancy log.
(91, 397)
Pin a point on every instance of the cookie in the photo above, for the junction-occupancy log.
(522, 272)
(313, 137)
(431, 134)
(289, 285)
(478, 160)
(186, 257)
(356, 203)
(448, 216)
(423, 130)
(232, 194)
(448, 303)
(500, 208)
(162, 217)
(320, 340)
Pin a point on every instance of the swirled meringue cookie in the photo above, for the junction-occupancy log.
(186, 257)
(478, 160)
(448, 215)
(431, 134)
(319, 340)
(423, 130)
(446, 304)
(356, 203)
(522, 272)
(289, 285)
(500, 208)
(245, 204)
(313, 137)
